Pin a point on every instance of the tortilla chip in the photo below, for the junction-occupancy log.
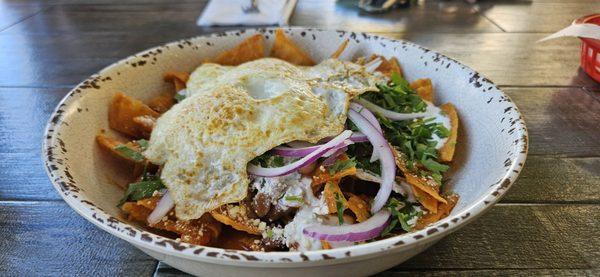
(145, 124)
(442, 212)
(395, 66)
(446, 153)
(109, 144)
(285, 49)
(359, 207)
(179, 79)
(332, 192)
(430, 203)
(387, 66)
(162, 103)
(236, 217)
(424, 89)
(427, 186)
(250, 49)
(361, 60)
(325, 244)
(424, 186)
(202, 231)
(121, 112)
(340, 49)
(322, 176)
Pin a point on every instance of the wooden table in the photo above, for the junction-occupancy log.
(548, 223)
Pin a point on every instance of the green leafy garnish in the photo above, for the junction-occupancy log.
(269, 233)
(397, 97)
(179, 97)
(294, 198)
(339, 205)
(268, 160)
(434, 166)
(414, 138)
(402, 213)
(141, 190)
(142, 143)
(129, 152)
(341, 165)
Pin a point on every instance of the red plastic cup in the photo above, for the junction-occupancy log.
(590, 49)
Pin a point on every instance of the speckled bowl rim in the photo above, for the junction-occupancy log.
(67, 188)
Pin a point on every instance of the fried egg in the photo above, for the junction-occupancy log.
(233, 114)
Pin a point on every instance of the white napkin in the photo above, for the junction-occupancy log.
(577, 30)
(230, 13)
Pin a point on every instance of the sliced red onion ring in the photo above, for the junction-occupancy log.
(371, 228)
(331, 159)
(289, 168)
(389, 114)
(165, 204)
(373, 65)
(368, 115)
(303, 151)
(358, 137)
(388, 165)
(300, 144)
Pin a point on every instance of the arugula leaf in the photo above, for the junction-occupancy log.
(340, 165)
(129, 152)
(339, 204)
(179, 97)
(141, 190)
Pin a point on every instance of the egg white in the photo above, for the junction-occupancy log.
(234, 114)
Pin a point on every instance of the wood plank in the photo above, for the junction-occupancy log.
(427, 16)
(164, 270)
(150, 19)
(538, 16)
(47, 238)
(557, 180)
(24, 113)
(510, 58)
(509, 239)
(561, 121)
(11, 14)
(75, 56)
(520, 237)
(493, 272)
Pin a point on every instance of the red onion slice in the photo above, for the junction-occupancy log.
(289, 168)
(373, 65)
(303, 151)
(165, 204)
(371, 228)
(368, 115)
(388, 165)
(331, 159)
(389, 114)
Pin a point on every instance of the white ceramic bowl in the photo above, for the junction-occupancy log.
(491, 150)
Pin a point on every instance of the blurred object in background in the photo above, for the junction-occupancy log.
(247, 12)
(379, 6)
(587, 28)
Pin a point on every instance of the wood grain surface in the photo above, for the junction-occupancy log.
(547, 224)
